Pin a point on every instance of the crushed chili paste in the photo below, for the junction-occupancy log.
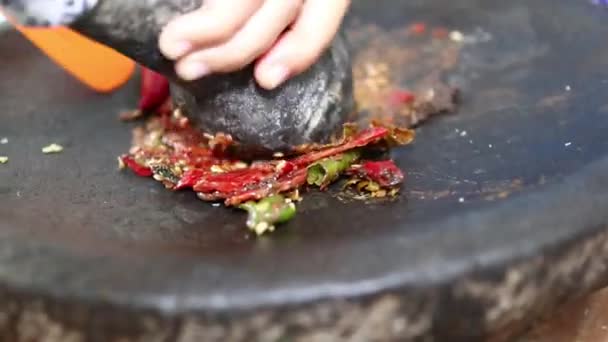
(175, 153)
(395, 96)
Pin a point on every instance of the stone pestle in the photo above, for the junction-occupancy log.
(310, 108)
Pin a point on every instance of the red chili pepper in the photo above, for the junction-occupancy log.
(400, 97)
(166, 107)
(384, 172)
(139, 170)
(260, 179)
(367, 137)
(418, 28)
(258, 184)
(154, 90)
(230, 182)
(257, 181)
(286, 169)
(189, 178)
(290, 182)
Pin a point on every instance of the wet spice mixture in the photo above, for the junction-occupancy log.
(392, 97)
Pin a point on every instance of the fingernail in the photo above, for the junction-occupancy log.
(192, 70)
(178, 49)
(275, 75)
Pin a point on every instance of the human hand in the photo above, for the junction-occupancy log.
(283, 37)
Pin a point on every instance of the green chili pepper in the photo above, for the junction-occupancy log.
(163, 172)
(328, 170)
(268, 212)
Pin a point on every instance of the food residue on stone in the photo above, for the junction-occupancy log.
(52, 148)
(3, 159)
(175, 153)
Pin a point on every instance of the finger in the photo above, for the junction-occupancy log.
(255, 38)
(301, 47)
(214, 23)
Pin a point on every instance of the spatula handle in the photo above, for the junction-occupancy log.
(95, 65)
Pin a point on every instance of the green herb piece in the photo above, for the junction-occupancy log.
(164, 173)
(328, 170)
(367, 189)
(349, 130)
(52, 148)
(397, 136)
(400, 136)
(268, 212)
(121, 163)
(368, 186)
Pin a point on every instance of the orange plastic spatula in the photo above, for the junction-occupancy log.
(94, 64)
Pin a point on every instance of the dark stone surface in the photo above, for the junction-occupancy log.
(309, 108)
(88, 251)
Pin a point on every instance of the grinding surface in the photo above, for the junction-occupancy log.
(495, 226)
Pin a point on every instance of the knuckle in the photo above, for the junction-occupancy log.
(221, 27)
(245, 53)
(232, 62)
(222, 31)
